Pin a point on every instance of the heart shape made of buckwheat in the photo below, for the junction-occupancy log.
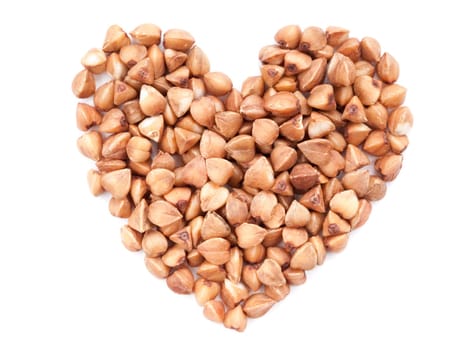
(233, 195)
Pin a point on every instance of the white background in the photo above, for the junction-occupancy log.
(67, 283)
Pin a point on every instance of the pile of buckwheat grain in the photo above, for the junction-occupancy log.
(231, 194)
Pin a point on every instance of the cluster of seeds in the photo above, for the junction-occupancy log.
(231, 194)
